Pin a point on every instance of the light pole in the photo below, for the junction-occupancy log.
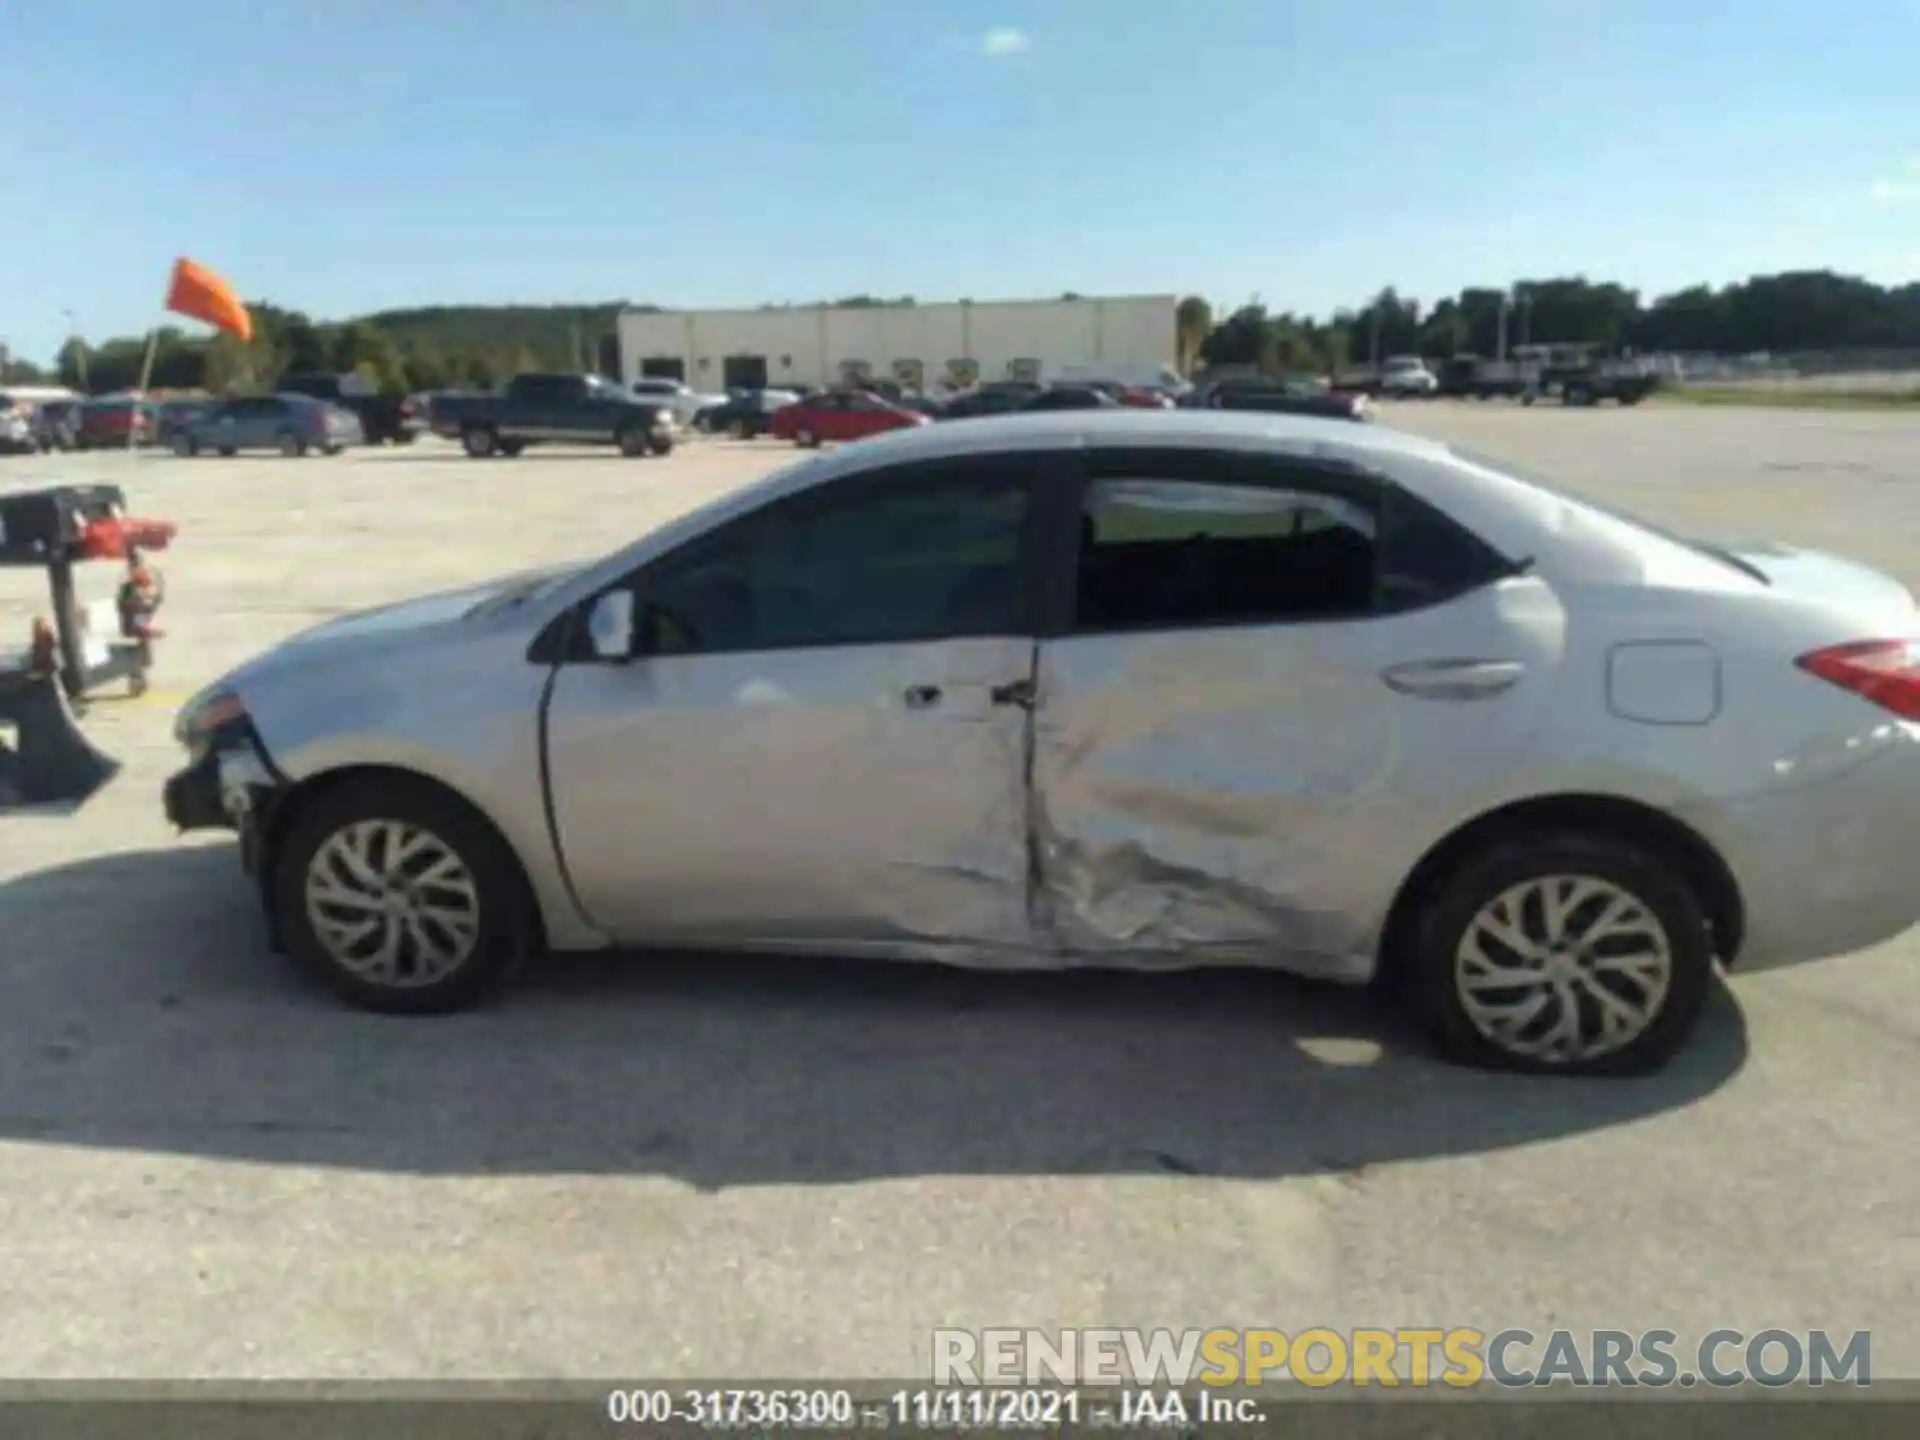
(77, 346)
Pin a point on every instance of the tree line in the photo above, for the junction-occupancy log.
(1804, 310)
(439, 347)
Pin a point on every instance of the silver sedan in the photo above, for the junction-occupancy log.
(1151, 690)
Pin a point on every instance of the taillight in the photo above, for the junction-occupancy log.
(1887, 672)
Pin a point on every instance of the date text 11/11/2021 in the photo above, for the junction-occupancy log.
(933, 1409)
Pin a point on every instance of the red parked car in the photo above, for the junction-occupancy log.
(839, 415)
(110, 421)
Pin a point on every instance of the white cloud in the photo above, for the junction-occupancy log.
(1005, 41)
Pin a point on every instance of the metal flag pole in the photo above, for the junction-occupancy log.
(140, 395)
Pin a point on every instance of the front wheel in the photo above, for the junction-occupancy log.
(400, 898)
(1568, 953)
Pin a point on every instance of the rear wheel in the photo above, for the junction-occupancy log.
(1564, 953)
(400, 898)
(479, 441)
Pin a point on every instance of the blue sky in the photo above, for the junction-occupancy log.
(376, 153)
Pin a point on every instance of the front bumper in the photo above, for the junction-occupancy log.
(232, 785)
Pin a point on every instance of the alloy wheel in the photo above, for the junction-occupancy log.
(392, 904)
(1563, 969)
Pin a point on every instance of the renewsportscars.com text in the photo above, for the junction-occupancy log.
(1416, 1358)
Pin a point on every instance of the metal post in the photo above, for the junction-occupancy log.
(140, 394)
(66, 626)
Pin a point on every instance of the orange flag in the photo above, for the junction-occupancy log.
(199, 293)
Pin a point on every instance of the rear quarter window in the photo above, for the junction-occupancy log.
(1427, 557)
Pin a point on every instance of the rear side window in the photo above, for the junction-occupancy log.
(1174, 554)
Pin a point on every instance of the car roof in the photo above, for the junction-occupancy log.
(1304, 435)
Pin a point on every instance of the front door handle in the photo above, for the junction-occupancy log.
(1454, 679)
(1015, 692)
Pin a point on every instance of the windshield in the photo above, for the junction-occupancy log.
(1618, 517)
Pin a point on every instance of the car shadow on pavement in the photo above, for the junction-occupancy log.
(140, 1009)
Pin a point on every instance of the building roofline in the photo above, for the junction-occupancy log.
(1169, 297)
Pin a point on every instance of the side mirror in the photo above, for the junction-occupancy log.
(610, 626)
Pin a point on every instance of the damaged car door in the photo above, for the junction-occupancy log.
(820, 739)
(1238, 751)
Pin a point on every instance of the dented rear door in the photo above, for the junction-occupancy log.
(1211, 784)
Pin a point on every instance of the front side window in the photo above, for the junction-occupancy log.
(1171, 553)
(937, 558)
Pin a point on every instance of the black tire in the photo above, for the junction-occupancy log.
(511, 448)
(1429, 971)
(660, 444)
(292, 446)
(480, 442)
(737, 428)
(505, 927)
(633, 442)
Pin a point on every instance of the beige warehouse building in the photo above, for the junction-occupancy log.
(919, 346)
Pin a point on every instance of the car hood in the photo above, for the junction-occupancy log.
(1812, 575)
(375, 632)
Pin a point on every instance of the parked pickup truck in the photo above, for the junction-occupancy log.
(537, 409)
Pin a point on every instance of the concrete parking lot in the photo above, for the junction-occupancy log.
(670, 1167)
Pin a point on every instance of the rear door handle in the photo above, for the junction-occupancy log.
(1454, 679)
